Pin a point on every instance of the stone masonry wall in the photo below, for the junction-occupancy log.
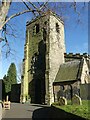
(26, 67)
(56, 51)
(85, 73)
(35, 76)
(34, 60)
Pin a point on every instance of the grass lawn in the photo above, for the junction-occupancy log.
(80, 110)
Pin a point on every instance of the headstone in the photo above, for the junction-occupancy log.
(62, 101)
(76, 100)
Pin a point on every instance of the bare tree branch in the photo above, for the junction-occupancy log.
(44, 5)
(38, 8)
(74, 5)
(38, 3)
(29, 7)
(26, 5)
(25, 11)
(10, 26)
(3, 12)
(17, 14)
(1, 39)
(34, 6)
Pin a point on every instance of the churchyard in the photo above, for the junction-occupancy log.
(79, 108)
(75, 108)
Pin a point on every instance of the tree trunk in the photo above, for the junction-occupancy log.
(3, 12)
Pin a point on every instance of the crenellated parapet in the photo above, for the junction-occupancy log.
(76, 55)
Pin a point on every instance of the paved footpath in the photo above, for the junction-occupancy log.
(34, 111)
(19, 110)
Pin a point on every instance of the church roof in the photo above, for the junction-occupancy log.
(69, 71)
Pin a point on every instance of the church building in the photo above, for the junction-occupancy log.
(46, 67)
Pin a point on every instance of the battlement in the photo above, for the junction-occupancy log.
(76, 55)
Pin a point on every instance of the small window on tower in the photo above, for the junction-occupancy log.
(45, 22)
(37, 28)
(57, 27)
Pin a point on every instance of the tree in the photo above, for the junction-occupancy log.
(11, 78)
(4, 7)
(36, 8)
(31, 7)
(12, 74)
(4, 19)
(6, 83)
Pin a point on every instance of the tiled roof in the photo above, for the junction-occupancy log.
(69, 71)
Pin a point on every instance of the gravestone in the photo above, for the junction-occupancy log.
(76, 100)
(62, 101)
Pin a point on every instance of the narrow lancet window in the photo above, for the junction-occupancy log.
(57, 28)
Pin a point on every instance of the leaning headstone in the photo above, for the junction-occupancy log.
(76, 100)
(62, 101)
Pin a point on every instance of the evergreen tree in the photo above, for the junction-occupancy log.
(11, 78)
(6, 84)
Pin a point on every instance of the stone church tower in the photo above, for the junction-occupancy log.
(43, 54)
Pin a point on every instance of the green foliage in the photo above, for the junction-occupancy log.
(55, 104)
(6, 83)
(11, 78)
(58, 104)
(79, 110)
(11, 74)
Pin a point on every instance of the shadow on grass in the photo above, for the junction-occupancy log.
(52, 113)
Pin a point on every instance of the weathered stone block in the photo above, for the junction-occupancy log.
(62, 101)
(76, 100)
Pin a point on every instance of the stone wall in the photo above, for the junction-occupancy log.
(67, 90)
(35, 63)
(81, 90)
(76, 56)
(44, 52)
(85, 73)
(85, 91)
(24, 93)
(15, 93)
(2, 90)
(56, 51)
